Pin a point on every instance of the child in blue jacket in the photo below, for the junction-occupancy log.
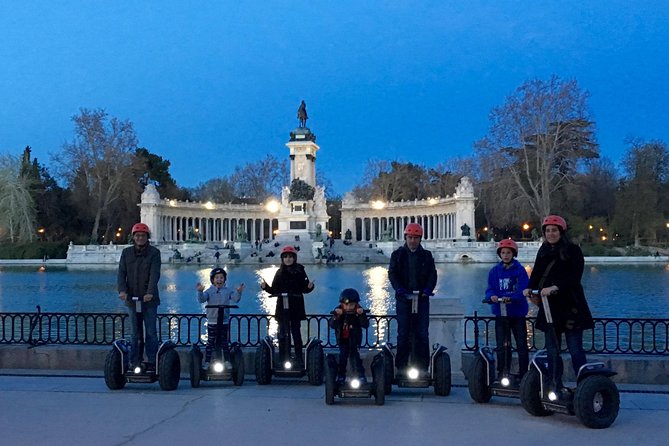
(506, 282)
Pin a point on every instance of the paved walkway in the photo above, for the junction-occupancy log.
(80, 410)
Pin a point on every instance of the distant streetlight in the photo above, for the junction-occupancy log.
(525, 228)
(272, 206)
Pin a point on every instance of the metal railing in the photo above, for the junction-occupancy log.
(184, 329)
(609, 336)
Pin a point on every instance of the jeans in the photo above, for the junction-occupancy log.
(139, 333)
(574, 340)
(217, 340)
(504, 326)
(416, 324)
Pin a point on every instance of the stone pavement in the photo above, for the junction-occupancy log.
(80, 410)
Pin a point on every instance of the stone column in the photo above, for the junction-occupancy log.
(446, 327)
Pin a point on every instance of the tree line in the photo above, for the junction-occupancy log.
(540, 155)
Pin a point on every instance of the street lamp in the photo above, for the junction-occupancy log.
(525, 227)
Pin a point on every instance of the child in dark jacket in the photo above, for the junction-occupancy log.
(506, 282)
(348, 319)
(291, 278)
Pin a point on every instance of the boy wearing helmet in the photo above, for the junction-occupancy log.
(557, 273)
(291, 278)
(348, 319)
(138, 275)
(506, 282)
(218, 294)
(412, 269)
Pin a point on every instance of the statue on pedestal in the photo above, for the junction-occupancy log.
(302, 115)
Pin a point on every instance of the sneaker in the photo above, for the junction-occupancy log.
(363, 379)
(341, 379)
(205, 366)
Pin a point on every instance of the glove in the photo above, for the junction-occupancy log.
(400, 292)
(427, 292)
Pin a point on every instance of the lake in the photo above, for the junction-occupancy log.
(619, 290)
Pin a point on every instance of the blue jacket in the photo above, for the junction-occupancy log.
(511, 282)
(218, 296)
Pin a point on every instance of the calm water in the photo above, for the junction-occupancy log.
(629, 290)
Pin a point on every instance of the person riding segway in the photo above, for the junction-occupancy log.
(506, 282)
(555, 285)
(345, 375)
(413, 276)
(289, 286)
(137, 281)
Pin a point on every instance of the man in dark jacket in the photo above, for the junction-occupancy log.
(412, 269)
(138, 274)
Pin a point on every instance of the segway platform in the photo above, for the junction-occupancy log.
(354, 387)
(217, 370)
(438, 374)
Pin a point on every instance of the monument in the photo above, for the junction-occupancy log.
(303, 208)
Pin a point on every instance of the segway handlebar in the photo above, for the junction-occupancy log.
(221, 306)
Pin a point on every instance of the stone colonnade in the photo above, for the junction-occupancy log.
(441, 218)
(177, 221)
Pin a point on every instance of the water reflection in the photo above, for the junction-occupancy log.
(377, 298)
(266, 302)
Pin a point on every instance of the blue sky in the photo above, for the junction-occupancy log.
(212, 85)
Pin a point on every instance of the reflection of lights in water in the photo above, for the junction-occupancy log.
(267, 303)
(378, 297)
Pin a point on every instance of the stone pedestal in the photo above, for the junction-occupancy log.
(243, 249)
(446, 326)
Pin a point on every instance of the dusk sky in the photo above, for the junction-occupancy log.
(213, 85)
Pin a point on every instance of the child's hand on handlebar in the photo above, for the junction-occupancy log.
(199, 287)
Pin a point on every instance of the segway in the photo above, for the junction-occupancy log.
(224, 365)
(439, 368)
(118, 370)
(595, 401)
(282, 365)
(353, 386)
(481, 381)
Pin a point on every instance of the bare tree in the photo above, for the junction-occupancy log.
(538, 138)
(98, 163)
(17, 208)
(261, 179)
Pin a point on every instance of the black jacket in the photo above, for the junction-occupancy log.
(349, 324)
(568, 306)
(294, 281)
(398, 270)
(139, 272)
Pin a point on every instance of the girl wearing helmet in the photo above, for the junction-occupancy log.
(290, 278)
(218, 294)
(557, 273)
(506, 282)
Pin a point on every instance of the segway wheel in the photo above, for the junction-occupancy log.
(330, 376)
(596, 402)
(388, 372)
(169, 370)
(113, 375)
(442, 374)
(530, 394)
(477, 381)
(315, 365)
(262, 365)
(238, 370)
(379, 377)
(195, 367)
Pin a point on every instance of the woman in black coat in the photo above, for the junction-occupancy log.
(291, 278)
(557, 273)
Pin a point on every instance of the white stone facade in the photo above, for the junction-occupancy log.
(441, 218)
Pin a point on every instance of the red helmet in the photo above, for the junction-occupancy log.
(554, 220)
(507, 243)
(140, 227)
(289, 250)
(414, 229)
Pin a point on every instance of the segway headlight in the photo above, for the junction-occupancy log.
(552, 396)
(287, 365)
(505, 382)
(218, 367)
(137, 370)
(412, 373)
(355, 383)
